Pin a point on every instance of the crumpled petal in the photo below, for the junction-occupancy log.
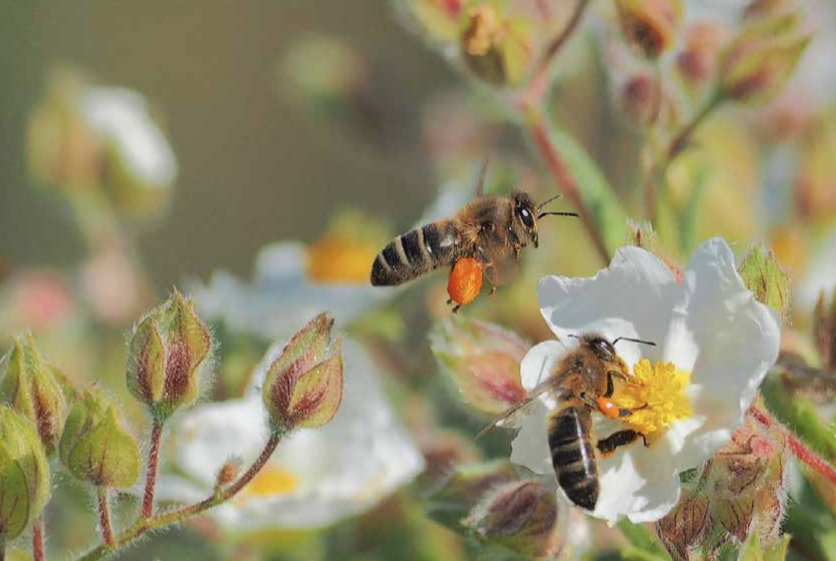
(341, 469)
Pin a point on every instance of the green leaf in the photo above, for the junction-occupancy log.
(596, 192)
(645, 547)
(801, 418)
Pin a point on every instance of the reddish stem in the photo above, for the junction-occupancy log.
(104, 518)
(566, 181)
(151, 474)
(801, 451)
(38, 539)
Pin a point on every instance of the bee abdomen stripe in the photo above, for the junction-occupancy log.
(584, 494)
(391, 256)
(566, 455)
(572, 477)
(411, 243)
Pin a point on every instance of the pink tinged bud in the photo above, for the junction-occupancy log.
(228, 472)
(166, 352)
(649, 26)
(695, 64)
(304, 385)
(641, 100)
(483, 361)
(521, 516)
(33, 387)
(757, 64)
(686, 525)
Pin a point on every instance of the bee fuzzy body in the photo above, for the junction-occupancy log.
(416, 253)
(573, 455)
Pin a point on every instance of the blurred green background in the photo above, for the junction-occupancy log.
(253, 168)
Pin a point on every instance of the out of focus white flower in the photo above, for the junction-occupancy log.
(316, 477)
(821, 275)
(715, 345)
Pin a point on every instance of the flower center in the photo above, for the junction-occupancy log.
(336, 259)
(271, 481)
(656, 396)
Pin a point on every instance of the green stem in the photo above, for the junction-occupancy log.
(676, 146)
(565, 181)
(174, 516)
(151, 472)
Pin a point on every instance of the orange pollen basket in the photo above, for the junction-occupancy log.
(465, 281)
(608, 408)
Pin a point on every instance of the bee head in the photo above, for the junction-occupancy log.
(525, 218)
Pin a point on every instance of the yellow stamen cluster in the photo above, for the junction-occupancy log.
(270, 482)
(335, 259)
(656, 394)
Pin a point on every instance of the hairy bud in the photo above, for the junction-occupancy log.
(33, 388)
(649, 26)
(95, 447)
(304, 384)
(766, 279)
(166, 352)
(24, 474)
(483, 361)
(759, 61)
(228, 472)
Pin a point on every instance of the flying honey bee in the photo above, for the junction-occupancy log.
(584, 383)
(489, 229)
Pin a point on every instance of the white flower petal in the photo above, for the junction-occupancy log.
(341, 469)
(631, 298)
(122, 116)
(281, 297)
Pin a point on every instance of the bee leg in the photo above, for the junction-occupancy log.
(608, 445)
(456, 308)
(515, 243)
(489, 269)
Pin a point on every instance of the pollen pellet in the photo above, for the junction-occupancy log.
(608, 408)
(465, 281)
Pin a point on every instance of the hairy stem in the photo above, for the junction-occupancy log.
(104, 518)
(151, 473)
(174, 516)
(801, 451)
(565, 181)
(38, 539)
(656, 176)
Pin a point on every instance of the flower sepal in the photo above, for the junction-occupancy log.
(765, 278)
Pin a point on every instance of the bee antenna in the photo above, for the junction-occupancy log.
(547, 201)
(641, 341)
(542, 214)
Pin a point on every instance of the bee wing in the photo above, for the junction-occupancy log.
(544, 387)
(480, 179)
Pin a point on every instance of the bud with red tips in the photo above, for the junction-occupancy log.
(304, 384)
(649, 26)
(483, 360)
(166, 352)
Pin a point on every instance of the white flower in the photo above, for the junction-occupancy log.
(121, 116)
(820, 275)
(710, 327)
(316, 477)
(285, 294)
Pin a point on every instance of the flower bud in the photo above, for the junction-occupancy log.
(24, 474)
(521, 516)
(483, 361)
(756, 65)
(641, 100)
(165, 353)
(304, 384)
(649, 26)
(32, 387)
(496, 48)
(695, 64)
(465, 487)
(686, 525)
(95, 447)
(766, 279)
(228, 472)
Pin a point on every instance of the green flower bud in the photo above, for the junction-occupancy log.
(521, 516)
(24, 474)
(757, 64)
(649, 26)
(34, 389)
(766, 279)
(165, 353)
(95, 446)
(483, 360)
(304, 384)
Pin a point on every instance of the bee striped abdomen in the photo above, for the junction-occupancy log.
(412, 254)
(573, 456)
